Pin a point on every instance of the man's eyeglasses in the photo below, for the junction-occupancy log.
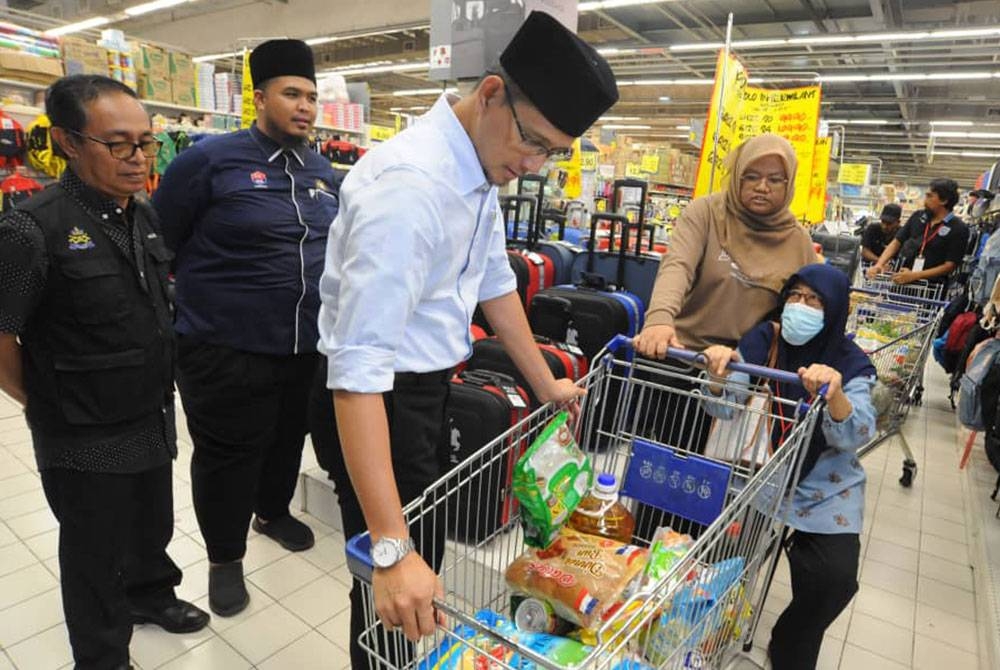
(536, 147)
(773, 180)
(811, 299)
(124, 150)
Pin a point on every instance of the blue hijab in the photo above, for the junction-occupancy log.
(830, 347)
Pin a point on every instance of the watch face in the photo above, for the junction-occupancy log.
(383, 554)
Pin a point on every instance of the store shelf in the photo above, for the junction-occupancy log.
(27, 85)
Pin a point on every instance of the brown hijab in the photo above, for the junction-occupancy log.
(767, 249)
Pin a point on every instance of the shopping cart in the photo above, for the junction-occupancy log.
(883, 283)
(896, 330)
(735, 507)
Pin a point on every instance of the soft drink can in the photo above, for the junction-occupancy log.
(535, 616)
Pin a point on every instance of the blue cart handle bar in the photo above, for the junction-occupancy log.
(781, 376)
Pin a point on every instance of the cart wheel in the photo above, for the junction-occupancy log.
(909, 469)
(918, 396)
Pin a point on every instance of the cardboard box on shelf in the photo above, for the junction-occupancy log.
(181, 65)
(26, 67)
(82, 57)
(157, 89)
(184, 93)
(155, 62)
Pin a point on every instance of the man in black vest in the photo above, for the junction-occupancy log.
(86, 346)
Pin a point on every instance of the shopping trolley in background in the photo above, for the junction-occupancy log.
(883, 283)
(896, 330)
(734, 505)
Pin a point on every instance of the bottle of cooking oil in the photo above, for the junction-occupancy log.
(601, 513)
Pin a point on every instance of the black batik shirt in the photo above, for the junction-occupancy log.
(24, 266)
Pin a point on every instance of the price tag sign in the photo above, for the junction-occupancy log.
(651, 164)
(634, 170)
(588, 161)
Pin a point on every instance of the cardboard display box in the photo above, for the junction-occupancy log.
(184, 93)
(155, 63)
(157, 89)
(26, 67)
(83, 57)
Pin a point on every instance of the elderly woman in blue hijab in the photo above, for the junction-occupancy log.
(828, 503)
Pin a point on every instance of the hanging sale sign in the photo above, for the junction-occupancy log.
(854, 174)
(748, 111)
(816, 211)
(248, 112)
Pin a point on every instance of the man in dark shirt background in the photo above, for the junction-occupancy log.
(877, 236)
(932, 243)
(248, 215)
(86, 346)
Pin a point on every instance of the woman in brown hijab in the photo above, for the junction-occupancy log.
(730, 254)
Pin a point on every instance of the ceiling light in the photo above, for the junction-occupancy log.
(349, 70)
(914, 76)
(156, 5)
(614, 51)
(664, 98)
(619, 126)
(424, 91)
(619, 118)
(683, 127)
(901, 36)
(674, 82)
(952, 123)
(612, 4)
(86, 24)
(219, 56)
(967, 136)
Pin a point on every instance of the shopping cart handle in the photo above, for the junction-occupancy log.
(697, 358)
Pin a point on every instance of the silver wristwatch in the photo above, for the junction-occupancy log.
(389, 551)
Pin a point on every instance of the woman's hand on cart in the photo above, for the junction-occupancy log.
(565, 394)
(404, 597)
(717, 360)
(653, 341)
(905, 277)
(823, 380)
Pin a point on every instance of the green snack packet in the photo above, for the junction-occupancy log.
(550, 480)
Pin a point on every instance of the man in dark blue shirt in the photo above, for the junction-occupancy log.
(248, 215)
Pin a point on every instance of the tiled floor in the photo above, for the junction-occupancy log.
(916, 607)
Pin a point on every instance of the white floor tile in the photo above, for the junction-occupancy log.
(328, 552)
(892, 554)
(929, 654)
(184, 551)
(856, 658)
(215, 654)
(22, 503)
(882, 638)
(830, 654)
(261, 552)
(946, 627)
(949, 572)
(186, 521)
(318, 601)
(943, 528)
(285, 576)
(310, 652)
(24, 482)
(957, 552)
(194, 584)
(338, 630)
(49, 650)
(6, 535)
(899, 516)
(940, 510)
(901, 535)
(948, 598)
(25, 584)
(885, 606)
(15, 557)
(889, 578)
(44, 546)
(35, 523)
(265, 633)
(5, 663)
(152, 646)
(33, 616)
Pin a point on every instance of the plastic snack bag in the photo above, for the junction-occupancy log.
(550, 480)
(668, 547)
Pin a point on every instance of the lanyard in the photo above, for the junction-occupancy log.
(937, 229)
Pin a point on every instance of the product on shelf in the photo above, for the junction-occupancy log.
(667, 549)
(550, 479)
(601, 513)
(580, 576)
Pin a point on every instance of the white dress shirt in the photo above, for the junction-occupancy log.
(417, 243)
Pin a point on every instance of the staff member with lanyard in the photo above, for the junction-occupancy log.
(932, 243)
(418, 243)
(86, 345)
(248, 214)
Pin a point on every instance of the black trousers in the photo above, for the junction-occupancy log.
(113, 535)
(415, 409)
(824, 571)
(247, 417)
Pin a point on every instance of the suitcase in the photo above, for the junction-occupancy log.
(565, 361)
(562, 254)
(841, 251)
(481, 406)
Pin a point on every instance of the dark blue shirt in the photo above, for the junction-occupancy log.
(248, 222)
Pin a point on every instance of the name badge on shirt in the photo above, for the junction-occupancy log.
(918, 264)
(944, 231)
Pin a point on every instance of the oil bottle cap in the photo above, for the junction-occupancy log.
(606, 483)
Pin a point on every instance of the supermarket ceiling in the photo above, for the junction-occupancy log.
(912, 63)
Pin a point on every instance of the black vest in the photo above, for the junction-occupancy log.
(98, 349)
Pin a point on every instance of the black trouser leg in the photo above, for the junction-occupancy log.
(99, 515)
(231, 403)
(282, 459)
(824, 571)
(415, 409)
(150, 574)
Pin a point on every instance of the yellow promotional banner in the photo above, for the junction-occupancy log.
(853, 174)
(588, 161)
(249, 112)
(816, 211)
(380, 133)
(727, 94)
(748, 111)
(651, 163)
(634, 170)
(574, 172)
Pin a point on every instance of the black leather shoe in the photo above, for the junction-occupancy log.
(181, 617)
(287, 531)
(227, 593)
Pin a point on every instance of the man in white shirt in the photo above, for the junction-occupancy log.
(418, 243)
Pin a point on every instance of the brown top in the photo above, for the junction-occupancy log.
(703, 292)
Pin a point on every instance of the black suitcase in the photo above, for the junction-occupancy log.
(481, 406)
(841, 251)
(565, 362)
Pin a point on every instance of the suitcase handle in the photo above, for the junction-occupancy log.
(643, 186)
(556, 217)
(614, 220)
(512, 203)
(486, 378)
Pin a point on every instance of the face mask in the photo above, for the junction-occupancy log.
(800, 323)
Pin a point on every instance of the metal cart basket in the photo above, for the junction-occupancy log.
(700, 614)
(896, 330)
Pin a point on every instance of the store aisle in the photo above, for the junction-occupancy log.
(916, 607)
